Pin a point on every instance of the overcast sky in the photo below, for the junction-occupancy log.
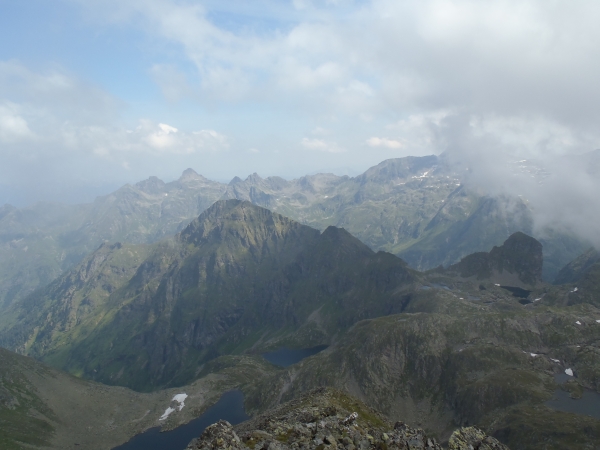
(94, 94)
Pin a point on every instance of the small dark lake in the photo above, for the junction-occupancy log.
(230, 407)
(285, 357)
(517, 292)
(588, 404)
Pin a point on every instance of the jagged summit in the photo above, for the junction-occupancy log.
(242, 220)
(329, 419)
(399, 168)
(517, 262)
(578, 268)
(253, 178)
(190, 174)
(153, 185)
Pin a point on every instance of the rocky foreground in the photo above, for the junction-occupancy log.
(327, 419)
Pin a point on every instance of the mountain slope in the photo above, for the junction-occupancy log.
(485, 360)
(41, 407)
(578, 268)
(517, 262)
(415, 207)
(40, 242)
(238, 276)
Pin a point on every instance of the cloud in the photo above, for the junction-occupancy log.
(507, 57)
(58, 132)
(321, 145)
(148, 138)
(384, 142)
(13, 127)
(54, 91)
(488, 83)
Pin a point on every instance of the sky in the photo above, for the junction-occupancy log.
(95, 94)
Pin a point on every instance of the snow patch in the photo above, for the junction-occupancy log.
(569, 372)
(575, 290)
(555, 360)
(180, 398)
(496, 284)
(534, 354)
(578, 322)
(537, 299)
(598, 321)
(168, 411)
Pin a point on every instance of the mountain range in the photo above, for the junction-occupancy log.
(479, 342)
(418, 208)
(430, 301)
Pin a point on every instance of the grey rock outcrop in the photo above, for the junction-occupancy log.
(517, 262)
(323, 420)
(471, 438)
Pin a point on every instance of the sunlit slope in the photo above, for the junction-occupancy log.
(41, 241)
(487, 361)
(416, 207)
(41, 407)
(238, 276)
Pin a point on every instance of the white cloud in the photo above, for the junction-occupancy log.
(13, 127)
(147, 138)
(487, 81)
(384, 142)
(321, 145)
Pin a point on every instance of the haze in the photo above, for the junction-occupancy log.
(95, 94)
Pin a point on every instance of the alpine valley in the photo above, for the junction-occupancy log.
(432, 303)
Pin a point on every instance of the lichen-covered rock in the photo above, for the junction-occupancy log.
(218, 435)
(471, 438)
(321, 420)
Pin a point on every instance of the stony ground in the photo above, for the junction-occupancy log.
(326, 419)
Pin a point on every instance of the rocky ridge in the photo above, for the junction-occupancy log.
(517, 262)
(239, 277)
(415, 207)
(325, 419)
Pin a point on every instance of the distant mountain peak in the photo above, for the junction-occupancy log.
(235, 180)
(254, 178)
(517, 262)
(153, 185)
(239, 218)
(578, 268)
(399, 168)
(190, 174)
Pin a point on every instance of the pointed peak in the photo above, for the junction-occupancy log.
(152, 185)
(342, 240)
(517, 262)
(254, 178)
(235, 180)
(190, 174)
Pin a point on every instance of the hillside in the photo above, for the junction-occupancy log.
(415, 207)
(236, 278)
(330, 418)
(41, 407)
(446, 348)
(42, 241)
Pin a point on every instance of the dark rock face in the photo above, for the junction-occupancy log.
(234, 271)
(473, 438)
(328, 419)
(578, 268)
(516, 262)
